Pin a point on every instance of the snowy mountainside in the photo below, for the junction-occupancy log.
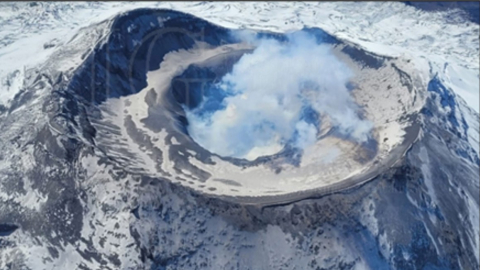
(66, 205)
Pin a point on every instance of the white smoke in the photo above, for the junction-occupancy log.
(271, 86)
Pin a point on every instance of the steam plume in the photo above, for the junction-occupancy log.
(271, 98)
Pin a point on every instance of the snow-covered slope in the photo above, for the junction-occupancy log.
(65, 204)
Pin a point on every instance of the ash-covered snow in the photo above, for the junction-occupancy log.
(67, 204)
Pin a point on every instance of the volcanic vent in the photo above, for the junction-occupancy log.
(254, 117)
